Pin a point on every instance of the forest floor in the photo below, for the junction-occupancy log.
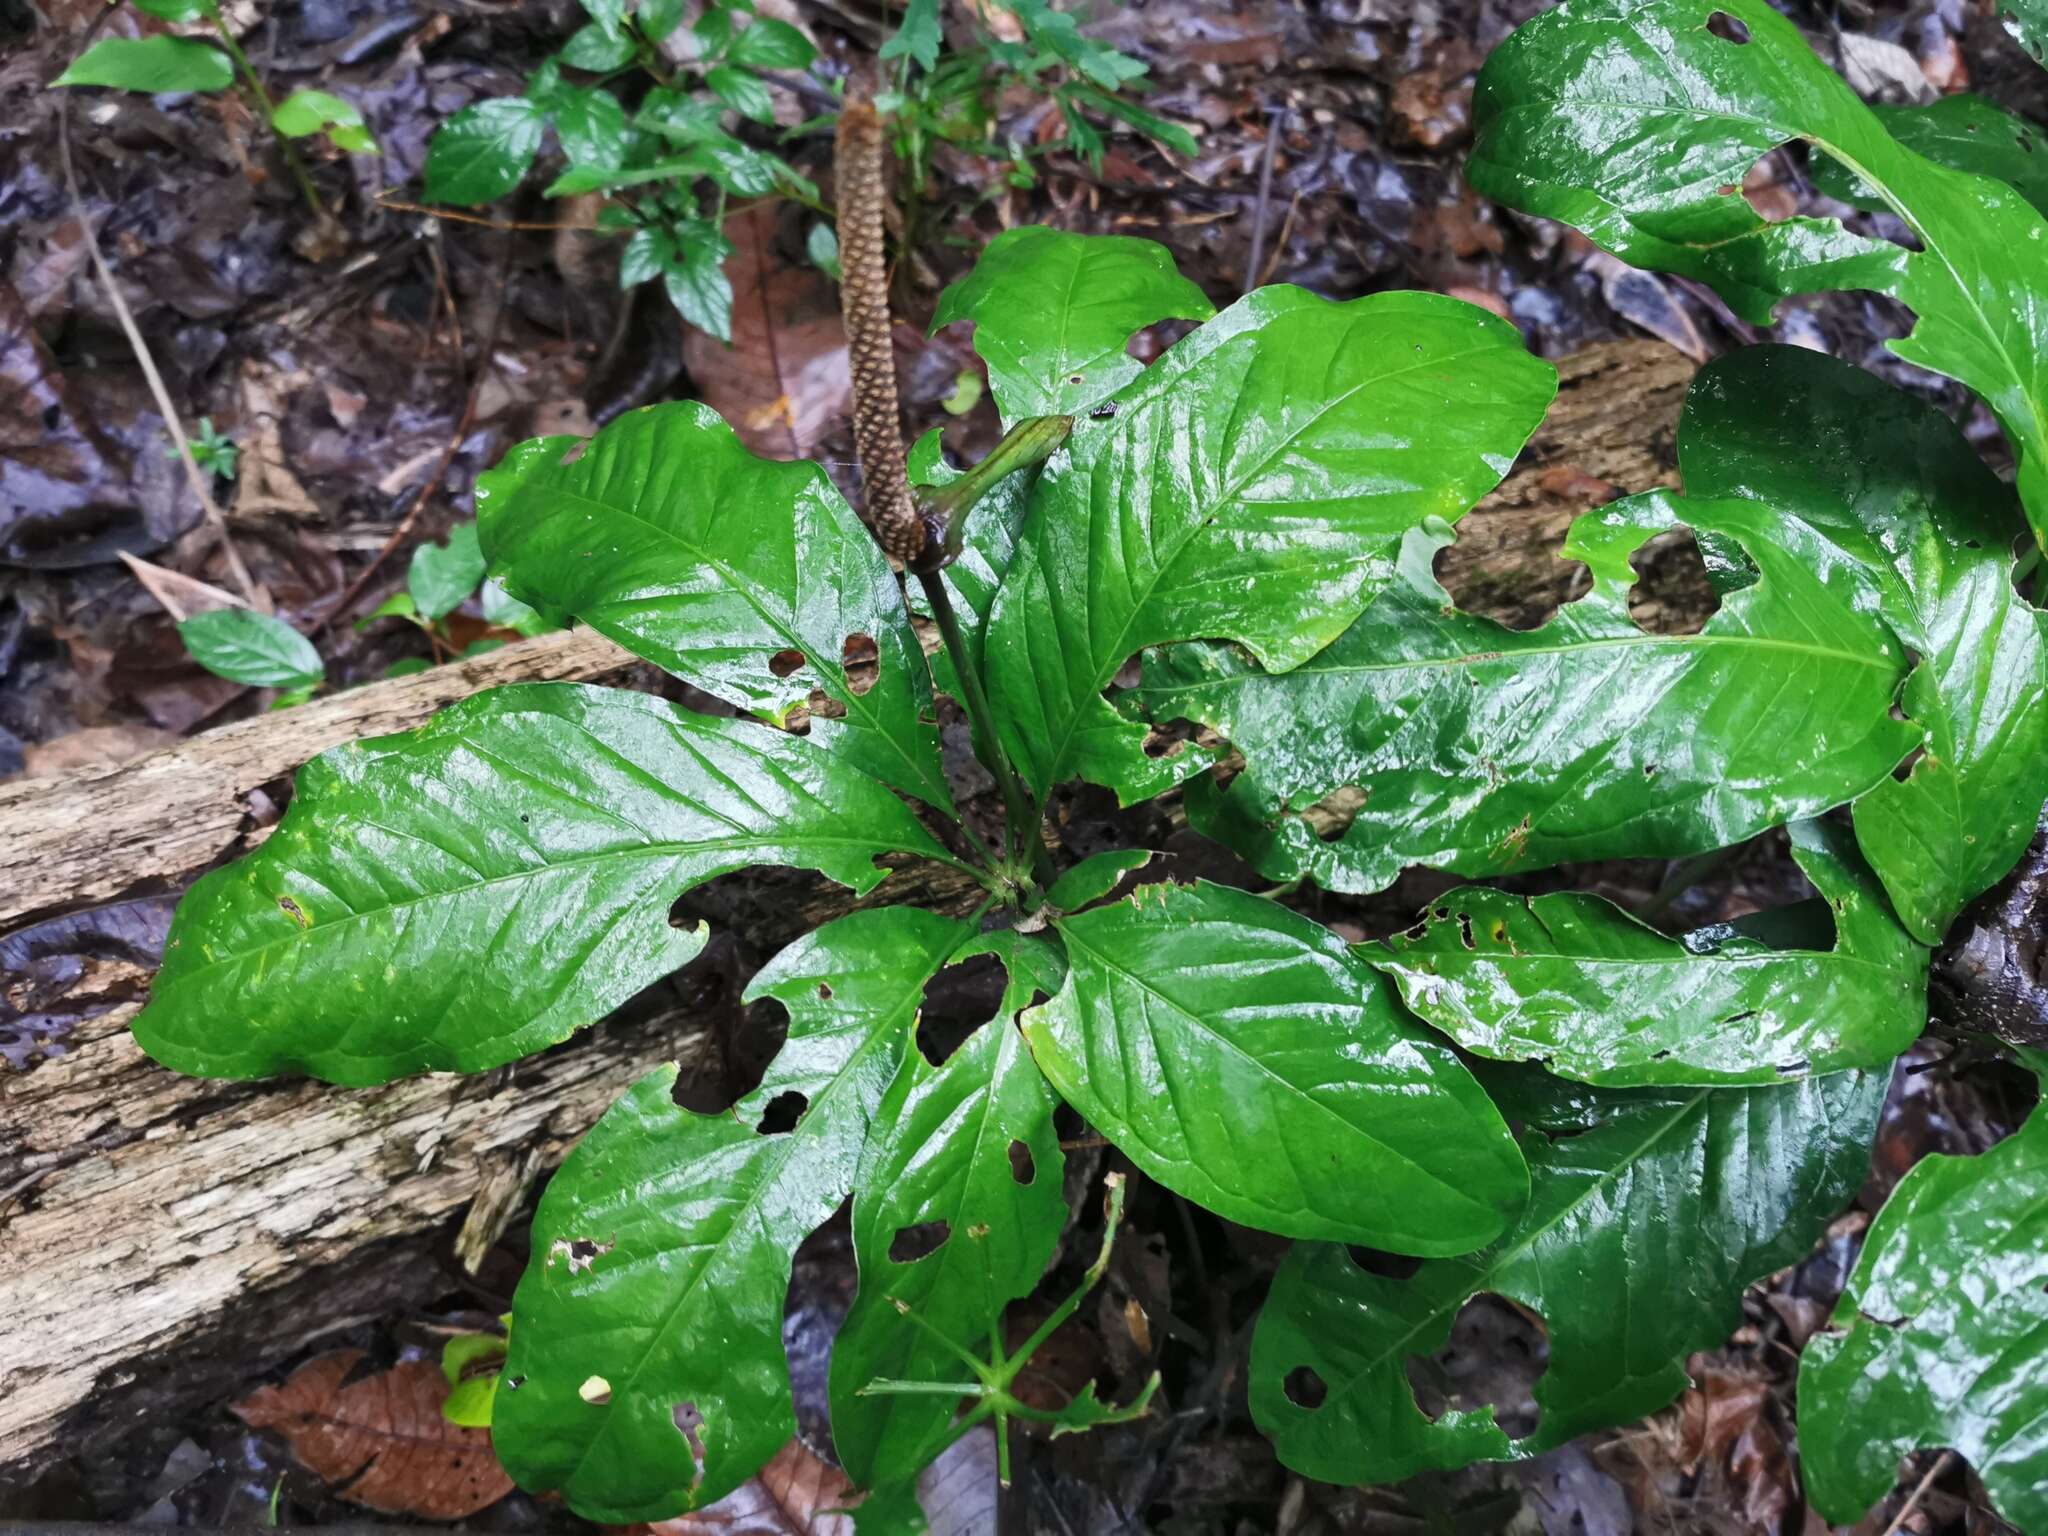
(368, 381)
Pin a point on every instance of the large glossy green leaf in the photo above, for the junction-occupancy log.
(1575, 983)
(646, 1374)
(1253, 486)
(1636, 122)
(1052, 312)
(1650, 1211)
(1453, 741)
(750, 578)
(1887, 478)
(461, 895)
(1941, 1338)
(1242, 1056)
(969, 1143)
(1965, 132)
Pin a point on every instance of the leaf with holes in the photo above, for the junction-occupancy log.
(1936, 1341)
(1575, 983)
(955, 1215)
(459, 896)
(646, 1375)
(1255, 486)
(1886, 478)
(1242, 1056)
(1052, 312)
(1429, 736)
(1649, 1212)
(749, 578)
(1697, 91)
(2027, 21)
(1964, 132)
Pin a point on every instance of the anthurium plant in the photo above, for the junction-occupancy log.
(1540, 1097)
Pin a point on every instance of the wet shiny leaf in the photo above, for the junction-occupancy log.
(1649, 1213)
(1095, 877)
(483, 151)
(1887, 478)
(749, 578)
(1696, 105)
(969, 1144)
(1937, 1340)
(1964, 132)
(1429, 736)
(1052, 312)
(1575, 983)
(459, 896)
(1254, 485)
(1242, 1056)
(647, 1374)
(442, 576)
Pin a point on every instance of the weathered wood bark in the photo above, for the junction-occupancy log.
(160, 1236)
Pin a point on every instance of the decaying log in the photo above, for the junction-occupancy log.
(161, 1237)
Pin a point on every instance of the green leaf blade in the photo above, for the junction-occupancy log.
(667, 535)
(1207, 506)
(483, 151)
(442, 576)
(1464, 745)
(252, 648)
(304, 113)
(151, 65)
(661, 1251)
(1937, 1340)
(1243, 1057)
(1571, 981)
(459, 896)
(1052, 312)
(1649, 1213)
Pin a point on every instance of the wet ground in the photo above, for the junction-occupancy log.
(368, 374)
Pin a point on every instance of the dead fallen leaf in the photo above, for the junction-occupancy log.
(381, 1441)
(181, 595)
(94, 748)
(796, 1494)
(784, 383)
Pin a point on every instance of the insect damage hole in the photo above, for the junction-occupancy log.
(1494, 1356)
(1304, 1388)
(918, 1241)
(1728, 28)
(862, 660)
(782, 1113)
(786, 663)
(1022, 1168)
(579, 1253)
(690, 1423)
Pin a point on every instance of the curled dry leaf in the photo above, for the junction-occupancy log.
(381, 1441)
(796, 1494)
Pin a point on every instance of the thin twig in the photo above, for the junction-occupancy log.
(216, 521)
(1913, 1499)
(1258, 256)
(393, 205)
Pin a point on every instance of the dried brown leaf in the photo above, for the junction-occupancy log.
(796, 1494)
(381, 1441)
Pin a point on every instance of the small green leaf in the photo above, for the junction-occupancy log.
(1964, 132)
(592, 48)
(771, 44)
(1095, 877)
(1060, 34)
(1428, 736)
(1052, 312)
(470, 1403)
(456, 897)
(153, 65)
(1151, 124)
(507, 612)
(609, 16)
(1886, 479)
(244, 646)
(917, 36)
(443, 575)
(665, 534)
(1697, 107)
(471, 1391)
(742, 91)
(308, 112)
(694, 277)
(1575, 983)
(399, 605)
(1208, 505)
(969, 1144)
(592, 127)
(1937, 1340)
(1649, 1213)
(1242, 1056)
(647, 1330)
(483, 151)
(822, 246)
